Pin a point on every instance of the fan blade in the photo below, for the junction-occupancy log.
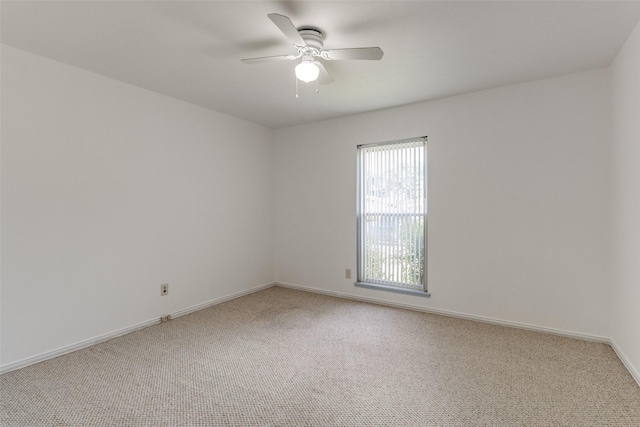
(372, 53)
(287, 28)
(269, 59)
(324, 78)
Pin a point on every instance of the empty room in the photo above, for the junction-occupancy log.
(320, 213)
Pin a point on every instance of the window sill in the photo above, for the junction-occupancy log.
(414, 292)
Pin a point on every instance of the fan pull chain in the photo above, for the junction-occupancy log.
(298, 93)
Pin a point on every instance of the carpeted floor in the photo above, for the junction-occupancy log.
(282, 357)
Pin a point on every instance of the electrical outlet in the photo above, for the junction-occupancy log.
(347, 273)
(164, 289)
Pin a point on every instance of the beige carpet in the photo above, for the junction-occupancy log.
(281, 357)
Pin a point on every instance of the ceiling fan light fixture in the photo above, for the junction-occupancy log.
(307, 71)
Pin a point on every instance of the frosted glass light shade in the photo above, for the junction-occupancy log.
(307, 71)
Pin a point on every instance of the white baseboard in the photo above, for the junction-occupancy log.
(635, 373)
(221, 300)
(92, 341)
(101, 338)
(77, 346)
(561, 332)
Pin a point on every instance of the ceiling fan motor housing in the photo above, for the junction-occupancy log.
(312, 36)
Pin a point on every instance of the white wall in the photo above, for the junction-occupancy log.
(626, 203)
(108, 191)
(518, 202)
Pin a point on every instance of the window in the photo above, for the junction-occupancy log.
(392, 216)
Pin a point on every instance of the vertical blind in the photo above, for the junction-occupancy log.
(392, 213)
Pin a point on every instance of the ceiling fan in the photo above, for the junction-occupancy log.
(309, 43)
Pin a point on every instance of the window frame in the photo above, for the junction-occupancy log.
(360, 228)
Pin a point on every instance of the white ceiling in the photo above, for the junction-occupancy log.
(432, 49)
